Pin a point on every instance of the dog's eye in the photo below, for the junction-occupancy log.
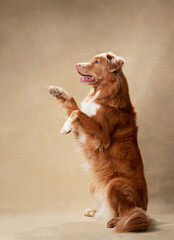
(96, 61)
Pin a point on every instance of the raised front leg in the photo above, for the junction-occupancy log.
(62, 96)
(81, 122)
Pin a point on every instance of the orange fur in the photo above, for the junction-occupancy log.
(110, 143)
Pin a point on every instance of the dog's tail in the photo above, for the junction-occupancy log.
(136, 220)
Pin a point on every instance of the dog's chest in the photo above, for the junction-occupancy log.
(90, 107)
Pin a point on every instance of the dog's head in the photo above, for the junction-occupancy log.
(99, 68)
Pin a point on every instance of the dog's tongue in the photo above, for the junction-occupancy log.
(87, 79)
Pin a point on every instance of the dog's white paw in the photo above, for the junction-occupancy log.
(89, 212)
(67, 127)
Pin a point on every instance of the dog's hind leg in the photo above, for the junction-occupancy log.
(122, 198)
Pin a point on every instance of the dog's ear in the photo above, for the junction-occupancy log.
(114, 62)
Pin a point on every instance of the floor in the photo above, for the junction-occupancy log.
(74, 226)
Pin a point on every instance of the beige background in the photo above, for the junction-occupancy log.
(40, 43)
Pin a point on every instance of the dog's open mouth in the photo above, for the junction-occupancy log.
(86, 78)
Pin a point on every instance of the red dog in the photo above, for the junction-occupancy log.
(106, 129)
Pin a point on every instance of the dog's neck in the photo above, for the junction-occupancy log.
(119, 73)
(114, 92)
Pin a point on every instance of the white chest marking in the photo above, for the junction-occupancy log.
(90, 107)
(82, 137)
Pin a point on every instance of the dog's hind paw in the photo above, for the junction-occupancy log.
(113, 222)
(89, 212)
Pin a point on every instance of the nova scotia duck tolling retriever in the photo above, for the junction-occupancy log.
(105, 127)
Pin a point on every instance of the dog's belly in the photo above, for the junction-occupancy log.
(82, 137)
(101, 204)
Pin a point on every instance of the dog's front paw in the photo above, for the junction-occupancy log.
(67, 127)
(58, 92)
(55, 91)
(70, 122)
(89, 212)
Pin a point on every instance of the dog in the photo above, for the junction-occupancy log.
(107, 132)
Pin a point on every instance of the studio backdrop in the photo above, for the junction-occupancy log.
(40, 43)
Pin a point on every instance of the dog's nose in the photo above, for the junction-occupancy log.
(78, 65)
